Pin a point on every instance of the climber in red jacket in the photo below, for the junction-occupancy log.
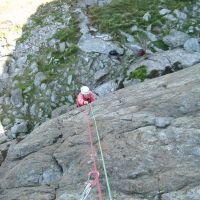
(84, 97)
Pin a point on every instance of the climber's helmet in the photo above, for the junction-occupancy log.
(85, 90)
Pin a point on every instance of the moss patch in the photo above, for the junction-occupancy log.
(139, 73)
(161, 45)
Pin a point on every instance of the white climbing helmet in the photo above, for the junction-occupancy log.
(85, 90)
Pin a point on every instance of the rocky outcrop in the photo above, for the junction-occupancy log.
(65, 44)
(167, 62)
(149, 134)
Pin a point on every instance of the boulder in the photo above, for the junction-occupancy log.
(192, 44)
(164, 11)
(90, 43)
(39, 77)
(16, 97)
(147, 16)
(175, 39)
(180, 15)
(20, 127)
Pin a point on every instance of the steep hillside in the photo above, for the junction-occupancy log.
(150, 136)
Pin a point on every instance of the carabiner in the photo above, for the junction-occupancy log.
(86, 191)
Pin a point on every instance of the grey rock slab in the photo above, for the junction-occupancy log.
(106, 88)
(3, 138)
(89, 43)
(100, 74)
(143, 155)
(184, 194)
(62, 47)
(39, 77)
(33, 193)
(192, 44)
(34, 67)
(161, 60)
(38, 139)
(20, 63)
(16, 97)
(175, 38)
(37, 169)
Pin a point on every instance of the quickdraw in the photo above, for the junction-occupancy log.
(92, 181)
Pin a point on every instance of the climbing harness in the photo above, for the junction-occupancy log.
(93, 176)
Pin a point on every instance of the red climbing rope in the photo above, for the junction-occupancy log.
(93, 175)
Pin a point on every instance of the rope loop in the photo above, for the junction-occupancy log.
(93, 177)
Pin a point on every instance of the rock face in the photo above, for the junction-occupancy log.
(168, 59)
(91, 44)
(150, 138)
(66, 44)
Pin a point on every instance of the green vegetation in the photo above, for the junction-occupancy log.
(71, 33)
(52, 59)
(119, 15)
(177, 4)
(161, 45)
(123, 14)
(52, 9)
(24, 81)
(23, 85)
(26, 33)
(73, 49)
(139, 73)
(48, 9)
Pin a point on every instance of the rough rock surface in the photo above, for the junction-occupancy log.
(44, 62)
(150, 136)
(175, 38)
(160, 61)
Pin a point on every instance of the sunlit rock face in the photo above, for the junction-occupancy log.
(149, 134)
